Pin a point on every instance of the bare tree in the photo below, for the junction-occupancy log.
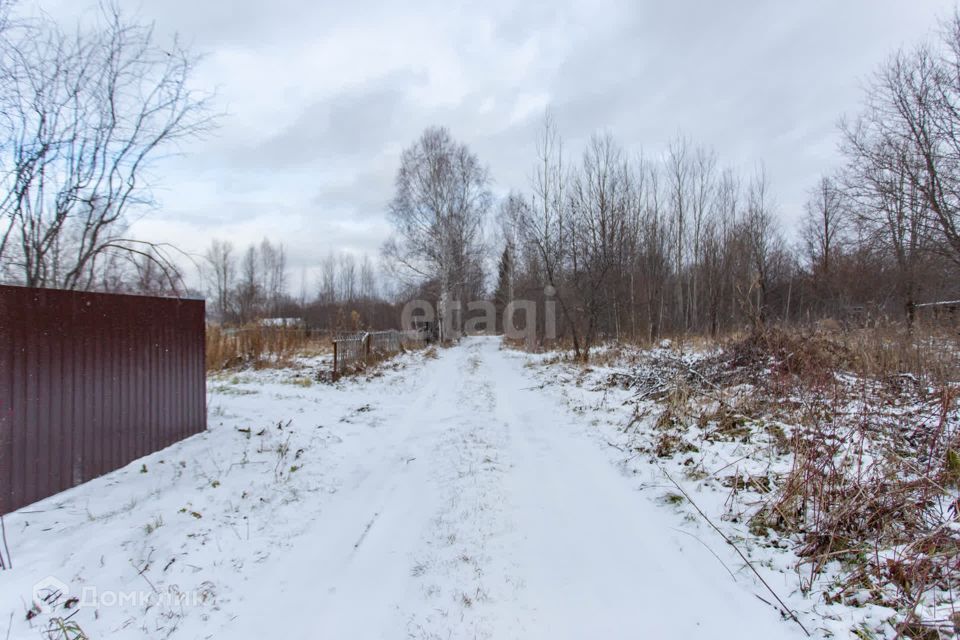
(84, 114)
(438, 212)
(249, 293)
(717, 256)
(890, 208)
(328, 279)
(913, 110)
(368, 279)
(654, 265)
(601, 207)
(824, 226)
(273, 260)
(347, 277)
(542, 228)
(702, 187)
(678, 181)
(220, 272)
(764, 243)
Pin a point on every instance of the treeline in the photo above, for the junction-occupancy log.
(252, 285)
(249, 286)
(627, 247)
(638, 247)
(642, 248)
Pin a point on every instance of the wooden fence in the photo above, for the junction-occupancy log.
(90, 382)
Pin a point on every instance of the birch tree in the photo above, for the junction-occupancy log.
(438, 212)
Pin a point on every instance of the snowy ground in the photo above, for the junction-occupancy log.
(698, 468)
(471, 495)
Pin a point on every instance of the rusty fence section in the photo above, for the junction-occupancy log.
(90, 382)
(355, 350)
(348, 352)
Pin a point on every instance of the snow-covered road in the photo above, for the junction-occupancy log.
(482, 510)
(447, 497)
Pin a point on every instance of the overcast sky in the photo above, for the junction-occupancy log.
(322, 96)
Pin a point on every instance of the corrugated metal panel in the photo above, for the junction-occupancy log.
(90, 382)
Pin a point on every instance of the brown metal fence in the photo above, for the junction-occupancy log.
(90, 382)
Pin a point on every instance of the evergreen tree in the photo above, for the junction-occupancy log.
(503, 294)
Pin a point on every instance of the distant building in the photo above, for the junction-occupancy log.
(290, 323)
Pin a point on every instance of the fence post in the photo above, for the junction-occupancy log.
(334, 360)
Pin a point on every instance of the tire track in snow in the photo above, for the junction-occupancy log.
(462, 572)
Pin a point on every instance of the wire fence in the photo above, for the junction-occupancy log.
(347, 353)
(354, 351)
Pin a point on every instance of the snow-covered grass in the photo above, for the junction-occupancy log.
(162, 545)
(840, 492)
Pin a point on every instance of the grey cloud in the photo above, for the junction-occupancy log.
(354, 124)
(313, 159)
(367, 193)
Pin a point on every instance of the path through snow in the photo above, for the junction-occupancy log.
(450, 498)
(484, 511)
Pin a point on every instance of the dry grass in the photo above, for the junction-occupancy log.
(868, 424)
(874, 489)
(874, 465)
(811, 357)
(260, 347)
